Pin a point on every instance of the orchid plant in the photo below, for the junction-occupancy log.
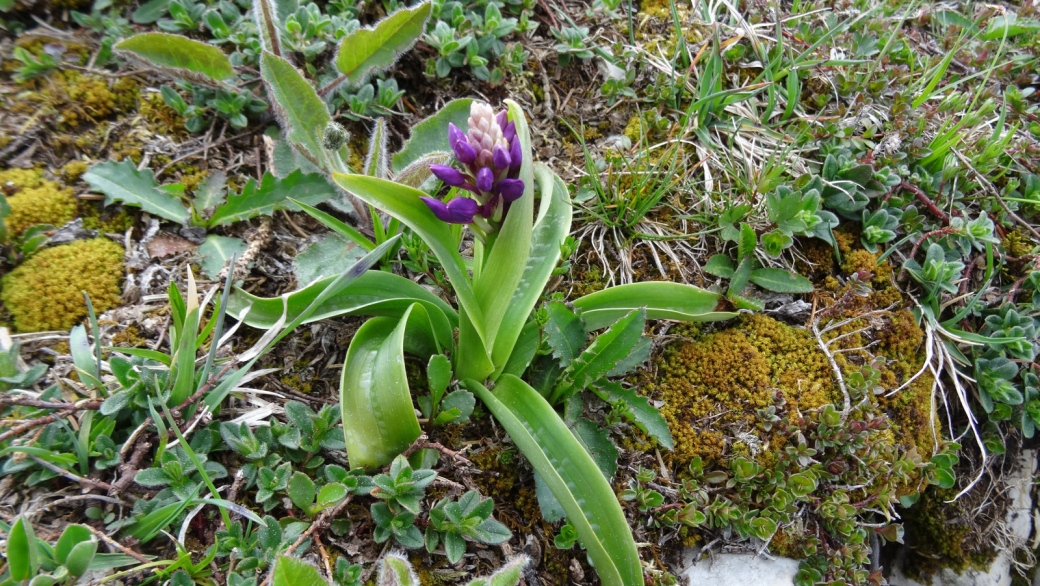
(519, 213)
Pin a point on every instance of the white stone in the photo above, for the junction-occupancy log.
(730, 569)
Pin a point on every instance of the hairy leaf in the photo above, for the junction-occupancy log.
(179, 56)
(431, 135)
(369, 50)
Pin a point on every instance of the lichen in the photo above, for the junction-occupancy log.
(45, 292)
(35, 200)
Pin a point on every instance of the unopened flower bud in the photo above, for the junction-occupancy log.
(334, 136)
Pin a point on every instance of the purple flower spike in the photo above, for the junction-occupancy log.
(510, 189)
(485, 179)
(509, 132)
(515, 157)
(502, 118)
(457, 211)
(502, 158)
(448, 175)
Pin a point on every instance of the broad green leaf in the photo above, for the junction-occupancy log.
(571, 474)
(293, 572)
(280, 329)
(720, 265)
(602, 356)
(460, 403)
(179, 56)
(403, 203)
(662, 300)
(330, 255)
(79, 558)
(22, 557)
(375, 293)
(72, 535)
(272, 194)
(378, 419)
(122, 182)
(370, 50)
(216, 251)
(640, 412)
(565, 332)
(302, 112)
(551, 227)
(505, 264)
(431, 135)
(781, 281)
(301, 491)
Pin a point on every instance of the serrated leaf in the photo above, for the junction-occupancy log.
(122, 182)
(272, 194)
(461, 402)
(640, 412)
(781, 281)
(565, 332)
(741, 276)
(370, 50)
(637, 357)
(211, 192)
(603, 355)
(597, 443)
(179, 56)
(216, 251)
(431, 134)
(294, 572)
(330, 255)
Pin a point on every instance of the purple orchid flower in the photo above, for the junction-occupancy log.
(490, 158)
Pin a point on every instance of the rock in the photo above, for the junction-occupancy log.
(729, 569)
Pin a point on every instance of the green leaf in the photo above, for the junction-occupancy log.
(431, 135)
(781, 281)
(216, 251)
(331, 494)
(78, 560)
(22, 557)
(571, 474)
(565, 332)
(302, 112)
(551, 227)
(344, 230)
(150, 11)
(597, 443)
(602, 355)
(370, 50)
(330, 255)
(294, 572)
(403, 203)
(720, 265)
(662, 300)
(148, 527)
(378, 419)
(395, 570)
(438, 373)
(746, 245)
(109, 561)
(460, 405)
(70, 537)
(272, 194)
(640, 412)
(122, 182)
(375, 293)
(301, 491)
(509, 574)
(179, 56)
(741, 275)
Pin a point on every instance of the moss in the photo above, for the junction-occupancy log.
(45, 292)
(939, 535)
(14, 179)
(720, 380)
(45, 202)
(73, 170)
(1017, 243)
